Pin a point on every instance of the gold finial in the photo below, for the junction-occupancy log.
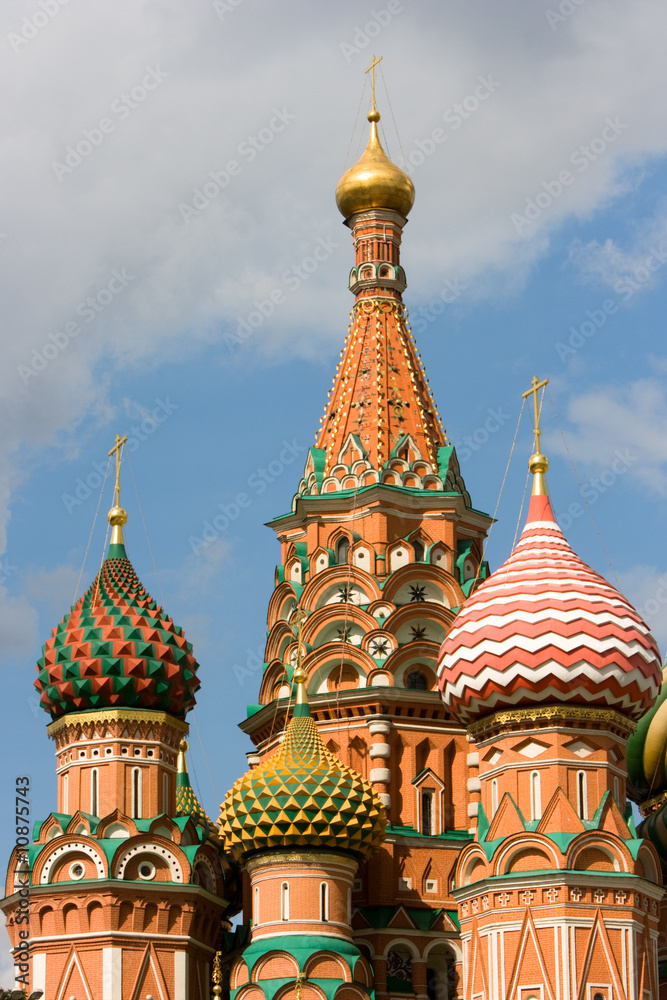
(117, 516)
(181, 765)
(216, 974)
(300, 675)
(538, 463)
(298, 983)
(373, 115)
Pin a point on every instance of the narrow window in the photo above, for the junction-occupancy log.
(349, 906)
(256, 906)
(617, 791)
(535, 796)
(324, 901)
(165, 793)
(427, 813)
(342, 549)
(94, 797)
(66, 794)
(136, 793)
(419, 551)
(494, 797)
(284, 901)
(582, 795)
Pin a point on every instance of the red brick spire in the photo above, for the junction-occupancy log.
(380, 393)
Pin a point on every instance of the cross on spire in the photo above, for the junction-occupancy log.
(538, 463)
(371, 70)
(118, 450)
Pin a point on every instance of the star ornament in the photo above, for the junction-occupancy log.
(380, 648)
(418, 632)
(417, 594)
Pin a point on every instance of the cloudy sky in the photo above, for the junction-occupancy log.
(168, 170)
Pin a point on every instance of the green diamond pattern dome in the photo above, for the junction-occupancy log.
(303, 796)
(117, 649)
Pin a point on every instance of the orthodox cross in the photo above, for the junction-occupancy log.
(299, 619)
(371, 70)
(118, 450)
(299, 986)
(536, 386)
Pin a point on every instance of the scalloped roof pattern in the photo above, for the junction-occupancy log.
(117, 648)
(303, 796)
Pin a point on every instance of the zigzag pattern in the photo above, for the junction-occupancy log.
(546, 628)
(117, 649)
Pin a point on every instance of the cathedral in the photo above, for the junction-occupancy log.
(438, 800)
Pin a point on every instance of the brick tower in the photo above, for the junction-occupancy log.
(300, 823)
(548, 665)
(379, 551)
(126, 876)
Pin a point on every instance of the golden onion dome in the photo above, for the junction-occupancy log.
(374, 181)
(647, 750)
(302, 797)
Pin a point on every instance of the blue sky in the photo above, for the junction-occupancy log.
(575, 293)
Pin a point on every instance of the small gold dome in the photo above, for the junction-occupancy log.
(374, 181)
(538, 463)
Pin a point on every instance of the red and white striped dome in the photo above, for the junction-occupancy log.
(545, 628)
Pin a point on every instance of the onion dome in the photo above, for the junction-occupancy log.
(374, 181)
(545, 628)
(302, 796)
(187, 803)
(117, 648)
(647, 752)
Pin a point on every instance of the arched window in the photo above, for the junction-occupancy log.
(416, 681)
(535, 796)
(284, 901)
(324, 901)
(494, 796)
(136, 793)
(419, 551)
(342, 549)
(165, 793)
(582, 795)
(94, 793)
(256, 906)
(65, 806)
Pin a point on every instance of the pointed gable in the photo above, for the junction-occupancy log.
(611, 819)
(529, 964)
(560, 816)
(599, 965)
(507, 820)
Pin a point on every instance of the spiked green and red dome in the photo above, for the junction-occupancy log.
(117, 648)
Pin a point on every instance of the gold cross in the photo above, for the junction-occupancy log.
(371, 70)
(118, 449)
(299, 986)
(536, 386)
(299, 618)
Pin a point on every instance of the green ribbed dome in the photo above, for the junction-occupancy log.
(303, 796)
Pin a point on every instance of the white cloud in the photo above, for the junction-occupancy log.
(616, 430)
(626, 271)
(182, 285)
(646, 589)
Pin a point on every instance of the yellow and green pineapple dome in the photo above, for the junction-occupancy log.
(303, 796)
